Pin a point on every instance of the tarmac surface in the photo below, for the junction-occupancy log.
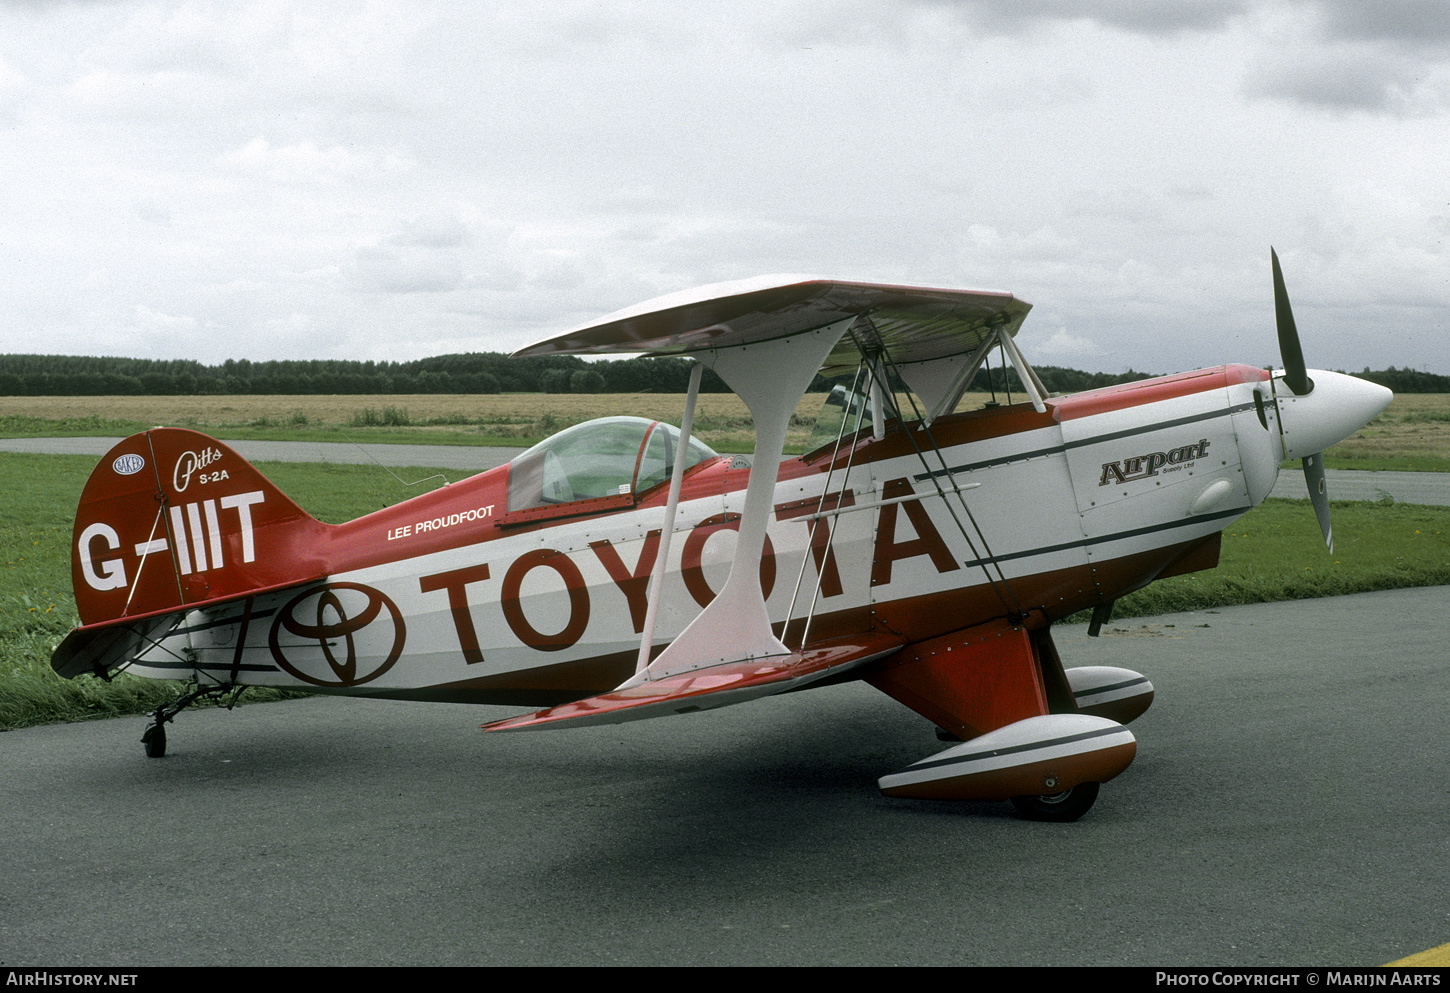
(1288, 806)
(1344, 484)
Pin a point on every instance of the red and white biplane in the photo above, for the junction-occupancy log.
(621, 570)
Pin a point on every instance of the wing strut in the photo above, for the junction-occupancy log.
(771, 377)
(941, 383)
(1035, 391)
(677, 476)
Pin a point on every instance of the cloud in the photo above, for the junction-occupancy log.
(1061, 346)
(154, 321)
(430, 230)
(1348, 55)
(1338, 77)
(152, 213)
(1339, 55)
(405, 270)
(1418, 22)
(302, 162)
(13, 86)
(1148, 17)
(416, 176)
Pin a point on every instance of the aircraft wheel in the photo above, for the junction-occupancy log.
(154, 741)
(1068, 805)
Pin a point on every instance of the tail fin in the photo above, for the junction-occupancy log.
(172, 518)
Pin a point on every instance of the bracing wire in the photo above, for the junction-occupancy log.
(436, 475)
(820, 507)
(1000, 584)
(150, 539)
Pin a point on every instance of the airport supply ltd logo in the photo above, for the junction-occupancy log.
(1151, 464)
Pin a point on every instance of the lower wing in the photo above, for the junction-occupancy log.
(716, 686)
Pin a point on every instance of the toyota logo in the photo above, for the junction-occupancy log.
(332, 627)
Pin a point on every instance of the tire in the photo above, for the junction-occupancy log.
(154, 741)
(1068, 805)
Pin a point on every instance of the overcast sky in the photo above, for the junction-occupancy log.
(403, 179)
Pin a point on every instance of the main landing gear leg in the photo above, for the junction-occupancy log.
(1023, 733)
(153, 739)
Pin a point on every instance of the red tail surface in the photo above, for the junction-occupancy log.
(172, 518)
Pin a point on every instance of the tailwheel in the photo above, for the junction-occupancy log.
(154, 741)
(1068, 805)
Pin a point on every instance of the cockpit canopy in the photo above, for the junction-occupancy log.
(840, 405)
(606, 457)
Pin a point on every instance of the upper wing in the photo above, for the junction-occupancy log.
(716, 686)
(914, 323)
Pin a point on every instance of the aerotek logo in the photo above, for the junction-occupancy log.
(331, 627)
(1143, 466)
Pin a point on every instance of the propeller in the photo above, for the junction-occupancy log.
(1296, 377)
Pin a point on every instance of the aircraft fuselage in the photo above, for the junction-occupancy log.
(1015, 513)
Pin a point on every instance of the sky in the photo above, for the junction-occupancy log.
(396, 180)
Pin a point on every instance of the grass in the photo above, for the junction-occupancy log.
(1412, 435)
(1273, 553)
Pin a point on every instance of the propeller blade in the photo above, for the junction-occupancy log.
(1319, 495)
(1294, 375)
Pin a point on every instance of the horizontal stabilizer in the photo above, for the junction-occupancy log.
(102, 647)
(706, 689)
(108, 645)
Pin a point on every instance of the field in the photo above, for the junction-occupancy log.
(722, 420)
(1412, 434)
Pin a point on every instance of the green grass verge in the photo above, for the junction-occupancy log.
(94, 426)
(1272, 553)
(728, 441)
(14, 426)
(1275, 552)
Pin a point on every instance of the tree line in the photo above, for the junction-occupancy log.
(472, 372)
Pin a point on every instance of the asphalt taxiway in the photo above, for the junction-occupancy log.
(1289, 804)
(464, 458)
